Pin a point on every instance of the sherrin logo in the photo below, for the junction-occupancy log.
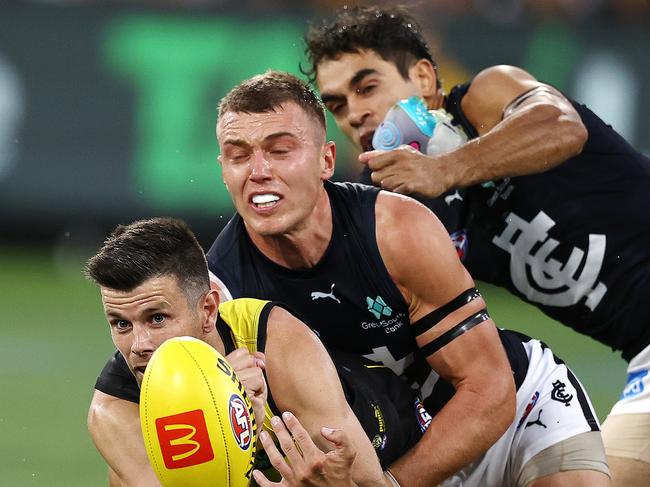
(184, 439)
(240, 421)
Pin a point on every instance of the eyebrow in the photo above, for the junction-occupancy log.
(355, 80)
(156, 308)
(271, 137)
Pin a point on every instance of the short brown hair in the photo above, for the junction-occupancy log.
(266, 92)
(134, 253)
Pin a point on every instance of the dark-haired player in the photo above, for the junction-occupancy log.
(154, 284)
(561, 216)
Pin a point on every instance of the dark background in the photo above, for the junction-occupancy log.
(107, 114)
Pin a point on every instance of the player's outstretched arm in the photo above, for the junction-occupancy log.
(456, 335)
(114, 426)
(303, 380)
(524, 127)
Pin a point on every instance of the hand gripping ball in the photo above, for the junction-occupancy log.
(197, 422)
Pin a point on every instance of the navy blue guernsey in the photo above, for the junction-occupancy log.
(348, 297)
(574, 240)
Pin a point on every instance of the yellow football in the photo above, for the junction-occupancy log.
(197, 422)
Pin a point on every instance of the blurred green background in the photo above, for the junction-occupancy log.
(55, 341)
(107, 114)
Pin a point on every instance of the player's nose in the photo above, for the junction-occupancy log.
(142, 341)
(260, 166)
(358, 112)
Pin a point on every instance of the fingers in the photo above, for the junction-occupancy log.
(275, 457)
(248, 371)
(299, 433)
(375, 159)
(262, 481)
(286, 442)
(240, 359)
(259, 359)
(342, 444)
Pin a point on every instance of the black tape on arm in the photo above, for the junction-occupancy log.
(465, 325)
(436, 316)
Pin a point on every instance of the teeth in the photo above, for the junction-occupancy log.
(265, 200)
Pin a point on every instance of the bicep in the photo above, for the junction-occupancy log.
(301, 375)
(303, 380)
(499, 92)
(448, 315)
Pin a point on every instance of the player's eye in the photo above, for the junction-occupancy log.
(335, 108)
(158, 318)
(279, 151)
(366, 89)
(121, 325)
(236, 155)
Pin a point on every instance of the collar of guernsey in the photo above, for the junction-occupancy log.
(242, 323)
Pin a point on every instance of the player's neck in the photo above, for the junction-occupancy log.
(213, 339)
(437, 100)
(303, 246)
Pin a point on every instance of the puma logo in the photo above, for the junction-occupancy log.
(319, 295)
(449, 199)
(538, 421)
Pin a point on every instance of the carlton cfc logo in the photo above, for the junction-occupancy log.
(240, 421)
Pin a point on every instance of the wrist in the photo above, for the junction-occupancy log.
(449, 171)
(391, 481)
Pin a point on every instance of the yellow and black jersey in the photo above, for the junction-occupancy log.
(389, 411)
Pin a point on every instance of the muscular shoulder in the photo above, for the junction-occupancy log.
(401, 221)
(417, 252)
(491, 91)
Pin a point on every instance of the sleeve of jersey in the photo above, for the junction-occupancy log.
(117, 380)
(428, 322)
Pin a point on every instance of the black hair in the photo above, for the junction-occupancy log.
(391, 32)
(134, 253)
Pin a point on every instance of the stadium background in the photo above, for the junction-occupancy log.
(107, 115)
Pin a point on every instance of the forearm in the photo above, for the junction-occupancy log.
(460, 433)
(530, 141)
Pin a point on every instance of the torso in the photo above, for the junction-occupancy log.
(572, 240)
(348, 297)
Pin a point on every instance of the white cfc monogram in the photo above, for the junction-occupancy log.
(554, 283)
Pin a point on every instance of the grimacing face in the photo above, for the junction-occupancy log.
(359, 88)
(274, 165)
(142, 319)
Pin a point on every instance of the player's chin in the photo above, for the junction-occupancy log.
(269, 226)
(138, 372)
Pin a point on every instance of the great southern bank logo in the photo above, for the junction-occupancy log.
(378, 307)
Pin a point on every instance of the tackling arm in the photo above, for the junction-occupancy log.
(457, 336)
(303, 380)
(524, 127)
(114, 426)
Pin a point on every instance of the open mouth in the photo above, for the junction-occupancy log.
(266, 200)
(366, 141)
(140, 369)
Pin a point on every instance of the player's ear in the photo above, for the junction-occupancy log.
(210, 310)
(328, 159)
(423, 74)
